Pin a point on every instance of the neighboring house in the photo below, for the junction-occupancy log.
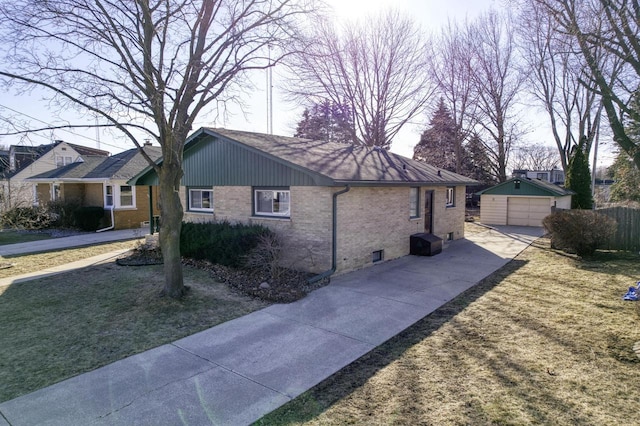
(522, 202)
(553, 176)
(100, 181)
(27, 161)
(337, 205)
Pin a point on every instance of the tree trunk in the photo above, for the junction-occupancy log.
(170, 227)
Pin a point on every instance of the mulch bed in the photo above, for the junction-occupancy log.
(288, 287)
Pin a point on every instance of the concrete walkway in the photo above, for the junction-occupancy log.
(235, 373)
(73, 241)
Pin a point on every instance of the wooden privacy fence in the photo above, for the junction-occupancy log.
(628, 234)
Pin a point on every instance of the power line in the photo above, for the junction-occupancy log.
(62, 129)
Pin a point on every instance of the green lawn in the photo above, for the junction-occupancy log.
(545, 340)
(13, 237)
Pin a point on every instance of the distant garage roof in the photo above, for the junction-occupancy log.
(527, 187)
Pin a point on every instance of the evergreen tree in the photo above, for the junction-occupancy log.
(326, 121)
(476, 164)
(579, 178)
(627, 179)
(624, 170)
(437, 144)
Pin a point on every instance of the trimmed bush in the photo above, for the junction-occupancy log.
(579, 231)
(27, 218)
(88, 218)
(63, 213)
(221, 243)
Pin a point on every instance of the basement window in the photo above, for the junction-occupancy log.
(377, 256)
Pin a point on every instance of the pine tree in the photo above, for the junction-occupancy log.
(326, 121)
(579, 178)
(437, 144)
(627, 179)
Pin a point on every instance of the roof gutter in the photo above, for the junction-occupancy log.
(334, 237)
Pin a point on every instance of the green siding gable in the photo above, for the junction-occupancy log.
(220, 162)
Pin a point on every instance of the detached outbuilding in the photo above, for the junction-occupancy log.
(522, 202)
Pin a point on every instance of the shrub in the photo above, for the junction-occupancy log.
(579, 231)
(27, 218)
(221, 243)
(88, 218)
(63, 213)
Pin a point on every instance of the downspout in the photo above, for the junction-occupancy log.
(113, 222)
(334, 242)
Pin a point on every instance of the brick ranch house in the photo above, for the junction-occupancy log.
(102, 181)
(339, 207)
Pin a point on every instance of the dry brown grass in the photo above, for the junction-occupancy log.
(545, 340)
(25, 263)
(67, 324)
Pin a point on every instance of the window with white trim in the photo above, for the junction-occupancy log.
(272, 202)
(62, 160)
(451, 196)
(108, 196)
(126, 196)
(201, 200)
(120, 196)
(414, 202)
(55, 192)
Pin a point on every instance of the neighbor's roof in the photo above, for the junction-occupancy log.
(120, 166)
(328, 162)
(24, 155)
(529, 187)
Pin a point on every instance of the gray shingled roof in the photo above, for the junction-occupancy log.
(343, 163)
(120, 166)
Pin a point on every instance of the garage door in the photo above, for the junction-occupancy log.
(522, 211)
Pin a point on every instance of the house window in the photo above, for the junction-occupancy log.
(108, 196)
(541, 176)
(126, 196)
(55, 192)
(272, 202)
(414, 202)
(451, 196)
(63, 160)
(377, 256)
(201, 200)
(119, 196)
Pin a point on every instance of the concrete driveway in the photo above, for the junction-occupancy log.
(235, 373)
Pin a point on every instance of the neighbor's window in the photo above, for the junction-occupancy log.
(272, 202)
(119, 196)
(55, 192)
(108, 196)
(201, 200)
(414, 202)
(451, 196)
(126, 196)
(63, 161)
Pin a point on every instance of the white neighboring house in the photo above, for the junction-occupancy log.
(27, 161)
(553, 176)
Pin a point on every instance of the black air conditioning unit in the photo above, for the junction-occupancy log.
(425, 245)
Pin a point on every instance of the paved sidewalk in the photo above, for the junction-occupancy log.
(235, 373)
(73, 241)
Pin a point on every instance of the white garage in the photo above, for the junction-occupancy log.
(521, 202)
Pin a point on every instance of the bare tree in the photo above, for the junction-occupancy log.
(535, 157)
(497, 79)
(558, 82)
(148, 68)
(451, 69)
(376, 67)
(612, 25)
